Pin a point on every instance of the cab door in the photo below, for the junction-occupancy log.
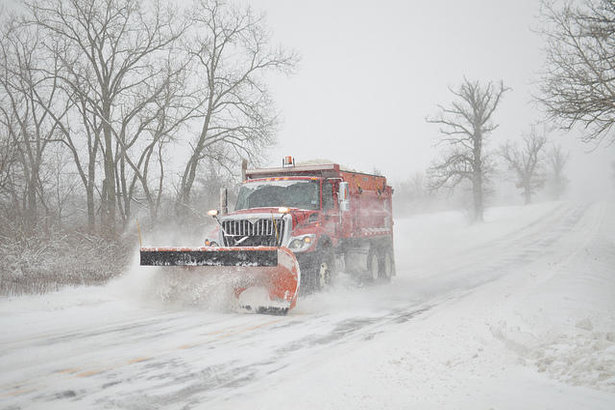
(330, 208)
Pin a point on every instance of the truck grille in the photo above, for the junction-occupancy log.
(260, 232)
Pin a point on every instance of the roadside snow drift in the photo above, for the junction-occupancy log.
(517, 312)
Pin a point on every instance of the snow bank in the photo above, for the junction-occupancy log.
(564, 321)
(517, 312)
(525, 324)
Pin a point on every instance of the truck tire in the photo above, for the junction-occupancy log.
(373, 265)
(325, 268)
(380, 264)
(388, 266)
(319, 271)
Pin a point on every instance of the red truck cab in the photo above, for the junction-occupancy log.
(331, 219)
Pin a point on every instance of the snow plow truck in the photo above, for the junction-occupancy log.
(293, 228)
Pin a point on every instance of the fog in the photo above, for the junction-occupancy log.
(459, 298)
(371, 73)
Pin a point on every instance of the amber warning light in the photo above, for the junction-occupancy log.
(288, 161)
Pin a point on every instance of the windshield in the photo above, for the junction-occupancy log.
(292, 194)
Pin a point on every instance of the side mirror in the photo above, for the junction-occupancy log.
(223, 201)
(344, 197)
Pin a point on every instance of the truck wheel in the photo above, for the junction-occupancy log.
(318, 271)
(325, 269)
(373, 265)
(388, 266)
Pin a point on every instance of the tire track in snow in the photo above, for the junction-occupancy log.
(228, 355)
(479, 265)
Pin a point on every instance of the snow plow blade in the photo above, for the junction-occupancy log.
(272, 269)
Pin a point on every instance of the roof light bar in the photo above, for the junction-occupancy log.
(288, 161)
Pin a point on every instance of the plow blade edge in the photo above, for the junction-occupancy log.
(271, 268)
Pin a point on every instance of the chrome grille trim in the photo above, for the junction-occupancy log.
(261, 231)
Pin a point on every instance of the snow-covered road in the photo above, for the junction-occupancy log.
(518, 312)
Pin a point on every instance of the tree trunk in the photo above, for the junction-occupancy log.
(122, 189)
(31, 206)
(527, 194)
(108, 199)
(477, 191)
(188, 179)
(89, 188)
(477, 179)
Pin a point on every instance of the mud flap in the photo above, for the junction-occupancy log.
(273, 270)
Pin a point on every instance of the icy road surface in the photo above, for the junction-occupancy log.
(518, 312)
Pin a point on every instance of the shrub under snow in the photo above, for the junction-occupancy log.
(44, 263)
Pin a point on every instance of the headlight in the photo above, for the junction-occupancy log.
(210, 243)
(301, 243)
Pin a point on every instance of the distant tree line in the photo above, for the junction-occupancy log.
(577, 87)
(109, 109)
(116, 110)
(465, 160)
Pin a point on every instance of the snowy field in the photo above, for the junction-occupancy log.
(515, 313)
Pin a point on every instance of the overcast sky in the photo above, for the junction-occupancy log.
(372, 71)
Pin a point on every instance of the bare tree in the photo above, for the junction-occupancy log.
(117, 83)
(232, 52)
(7, 161)
(465, 125)
(557, 180)
(412, 193)
(94, 98)
(109, 51)
(64, 183)
(578, 84)
(416, 186)
(525, 161)
(170, 112)
(23, 84)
